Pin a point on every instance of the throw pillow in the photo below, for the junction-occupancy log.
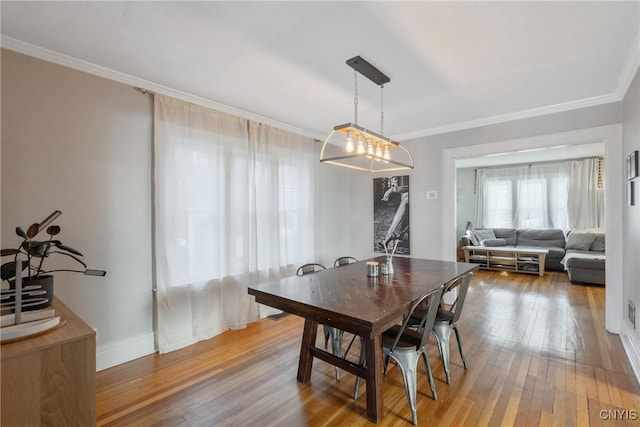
(580, 241)
(472, 238)
(493, 242)
(484, 234)
(598, 243)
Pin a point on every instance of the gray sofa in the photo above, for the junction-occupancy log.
(581, 254)
(551, 239)
(584, 258)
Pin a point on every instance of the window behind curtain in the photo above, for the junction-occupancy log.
(233, 207)
(529, 196)
(499, 207)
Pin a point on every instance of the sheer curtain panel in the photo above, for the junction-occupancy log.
(562, 195)
(233, 207)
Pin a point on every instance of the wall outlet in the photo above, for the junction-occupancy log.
(632, 314)
(432, 195)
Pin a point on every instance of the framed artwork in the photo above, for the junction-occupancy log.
(391, 214)
(632, 165)
(631, 193)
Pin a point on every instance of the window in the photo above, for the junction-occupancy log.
(524, 197)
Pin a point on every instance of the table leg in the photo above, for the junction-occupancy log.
(541, 261)
(306, 359)
(373, 354)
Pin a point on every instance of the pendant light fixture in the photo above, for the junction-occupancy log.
(353, 146)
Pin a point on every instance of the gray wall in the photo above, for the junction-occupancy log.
(83, 144)
(631, 214)
(465, 199)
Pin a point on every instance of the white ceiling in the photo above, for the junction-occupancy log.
(452, 65)
(546, 154)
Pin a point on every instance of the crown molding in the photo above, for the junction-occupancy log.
(630, 68)
(107, 73)
(518, 115)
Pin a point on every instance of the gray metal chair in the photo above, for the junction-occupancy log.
(406, 345)
(330, 333)
(344, 260)
(447, 320)
(309, 268)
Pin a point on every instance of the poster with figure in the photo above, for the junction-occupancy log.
(391, 214)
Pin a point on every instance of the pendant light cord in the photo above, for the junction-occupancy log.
(355, 97)
(381, 109)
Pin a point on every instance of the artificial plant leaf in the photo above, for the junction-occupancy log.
(8, 270)
(68, 249)
(53, 230)
(70, 256)
(33, 230)
(7, 252)
(20, 232)
(36, 249)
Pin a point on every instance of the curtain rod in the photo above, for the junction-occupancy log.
(546, 162)
(144, 91)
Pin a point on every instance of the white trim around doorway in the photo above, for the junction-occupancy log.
(611, 136)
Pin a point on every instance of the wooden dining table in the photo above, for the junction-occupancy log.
(347, 299)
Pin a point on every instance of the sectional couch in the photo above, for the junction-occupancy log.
(584, 259)
(581, 253)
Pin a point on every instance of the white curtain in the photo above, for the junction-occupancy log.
(561, 195)
(586, 194)
(233, 207)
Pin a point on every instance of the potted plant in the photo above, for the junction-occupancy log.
(37, 284)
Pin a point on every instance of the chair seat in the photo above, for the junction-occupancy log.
(409, 339)
(444, 316)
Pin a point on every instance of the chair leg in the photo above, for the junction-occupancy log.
(408, 364)
(464, 359)
(356, 388)
(442, 331)
(327, 335)
(432, 383)
(336, 346)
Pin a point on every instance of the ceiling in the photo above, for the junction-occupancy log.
(453, 65)
(535, 155)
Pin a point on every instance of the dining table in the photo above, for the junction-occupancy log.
(348, 299)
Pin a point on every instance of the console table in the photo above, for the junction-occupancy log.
(50, 379)
(506, 258)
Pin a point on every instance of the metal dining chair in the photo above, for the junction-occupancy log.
(330, 333)
(344, 260)
(447, 321)
(405, 345)
(309, 268)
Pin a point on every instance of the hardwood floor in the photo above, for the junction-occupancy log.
(537, 349)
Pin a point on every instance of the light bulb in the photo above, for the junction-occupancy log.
(361, 148)
(370, 150)
(386, 154)
(349, 147)
(378, 150)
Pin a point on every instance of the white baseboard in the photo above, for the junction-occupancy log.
(632, 348)
(109, 355)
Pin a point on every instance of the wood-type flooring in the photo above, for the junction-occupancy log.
(538, 354)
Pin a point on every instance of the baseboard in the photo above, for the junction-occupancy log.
(113, 354)
(632, 348)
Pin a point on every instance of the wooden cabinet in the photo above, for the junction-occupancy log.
(50, 379)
